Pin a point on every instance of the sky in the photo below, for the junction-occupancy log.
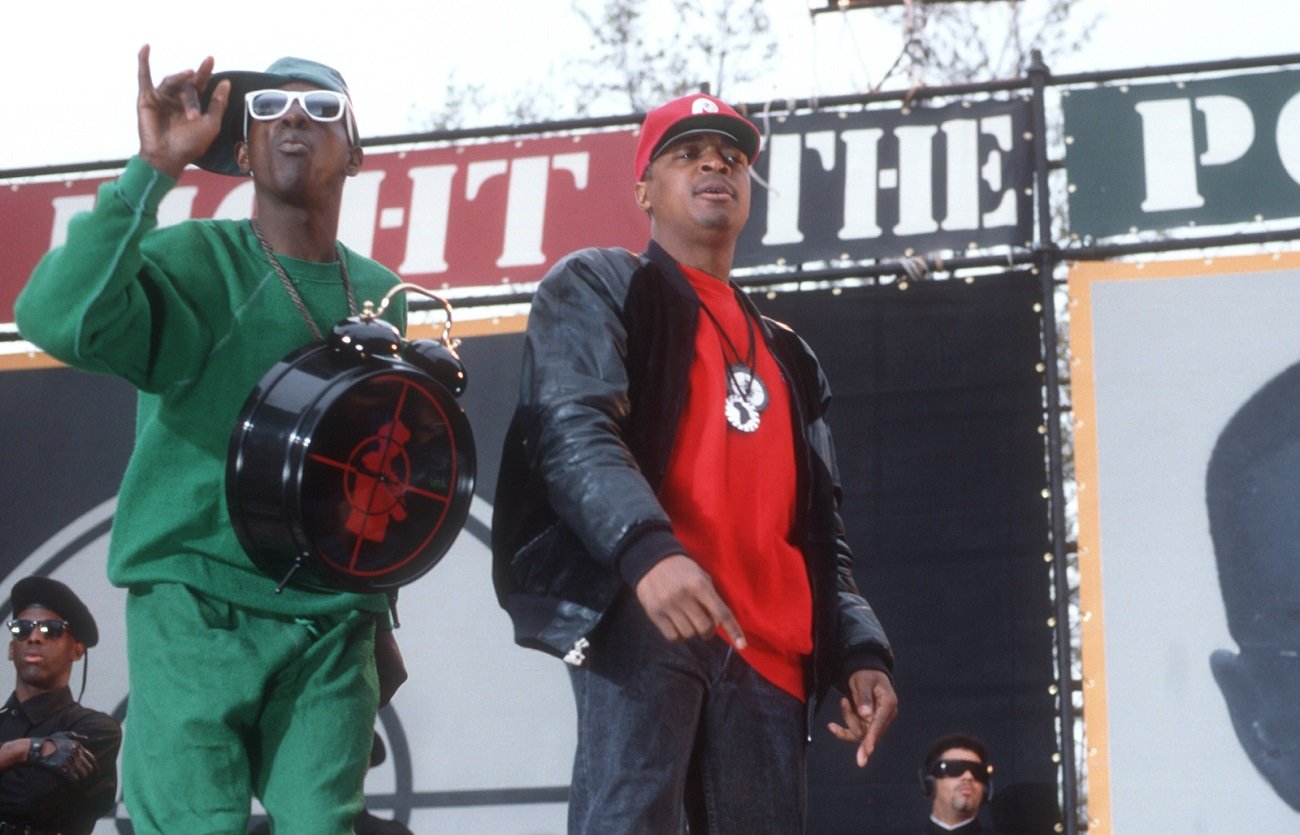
(70, 66)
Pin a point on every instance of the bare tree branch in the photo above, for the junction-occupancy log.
(964, 42)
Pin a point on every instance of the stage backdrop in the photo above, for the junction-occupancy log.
(936, 417)
(1165, 353)
(849, 184)
(936, 413)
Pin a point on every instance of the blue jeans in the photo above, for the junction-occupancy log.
(677, 737)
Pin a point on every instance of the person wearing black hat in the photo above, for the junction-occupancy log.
(237, 689)
(958, 780)
(58, 760)
(666, 514)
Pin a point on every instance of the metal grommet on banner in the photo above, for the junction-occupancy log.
(351, 465)
(915, 267)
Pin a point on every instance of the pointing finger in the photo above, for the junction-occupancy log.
(731, 627)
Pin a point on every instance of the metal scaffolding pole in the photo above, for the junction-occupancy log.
(1047, 260)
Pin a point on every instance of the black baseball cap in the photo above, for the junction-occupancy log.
(220, 155)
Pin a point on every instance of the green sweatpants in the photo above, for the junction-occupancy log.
(227, 703)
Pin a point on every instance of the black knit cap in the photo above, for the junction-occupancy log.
(53, 595)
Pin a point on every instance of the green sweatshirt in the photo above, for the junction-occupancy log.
(193, 315)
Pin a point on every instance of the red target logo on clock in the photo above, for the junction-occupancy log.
(361, 479)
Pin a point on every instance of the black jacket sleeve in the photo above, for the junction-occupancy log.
(575, 388)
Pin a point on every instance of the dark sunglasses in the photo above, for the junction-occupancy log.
(51, 628)
(956, 768)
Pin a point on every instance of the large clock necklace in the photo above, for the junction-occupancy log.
(746, 395)
(351, 465)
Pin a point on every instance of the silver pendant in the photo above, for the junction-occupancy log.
(746, 398)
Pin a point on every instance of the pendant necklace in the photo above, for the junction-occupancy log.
(293, 291)
(746, 394)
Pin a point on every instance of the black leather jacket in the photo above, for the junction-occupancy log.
(607, 356)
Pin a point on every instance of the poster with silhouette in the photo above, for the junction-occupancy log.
(1186, 387)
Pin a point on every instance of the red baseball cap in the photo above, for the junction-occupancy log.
(696, 113)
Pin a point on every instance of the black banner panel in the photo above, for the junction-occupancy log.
(877, 183)
(936, 411)
(936, 414)
(1182, 154)
(65, 437)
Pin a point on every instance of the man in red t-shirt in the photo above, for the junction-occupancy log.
(666, 516)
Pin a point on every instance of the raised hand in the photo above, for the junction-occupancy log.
(174, 130)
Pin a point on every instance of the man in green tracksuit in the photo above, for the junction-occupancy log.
(235, 690)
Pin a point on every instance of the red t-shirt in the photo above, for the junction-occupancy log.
(731, 494)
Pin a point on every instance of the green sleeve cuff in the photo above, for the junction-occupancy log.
(143, 187)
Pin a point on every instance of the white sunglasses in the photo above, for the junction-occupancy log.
(320, 105)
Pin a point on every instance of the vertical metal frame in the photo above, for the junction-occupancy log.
(1046, 260)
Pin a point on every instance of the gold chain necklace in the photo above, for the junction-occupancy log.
(293, 291)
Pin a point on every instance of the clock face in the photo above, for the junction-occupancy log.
(359, 476)
(382, 471)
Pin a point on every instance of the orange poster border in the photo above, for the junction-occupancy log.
(1082, 277)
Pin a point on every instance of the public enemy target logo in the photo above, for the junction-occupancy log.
(374, 504)
(377, 477)
(357, 474)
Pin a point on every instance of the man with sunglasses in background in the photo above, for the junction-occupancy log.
(58, 760)
(237, 689)
(958, 780)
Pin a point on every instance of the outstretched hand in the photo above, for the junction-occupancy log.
(174, 130)
(868, 710)
(679, 598)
